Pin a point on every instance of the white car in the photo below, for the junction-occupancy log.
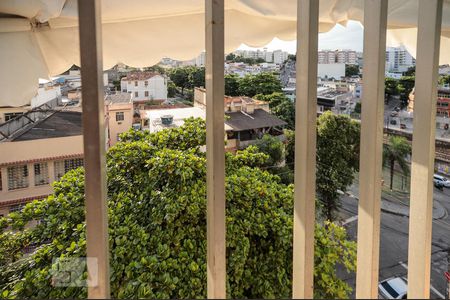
(438, 179)
(393, 288)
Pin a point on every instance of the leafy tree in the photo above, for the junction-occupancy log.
(196, 77)
(444, 80)
(337, 159)
(231, 85)
(230, 56)
(262, 83)
(292, 57)
(273, 147)
(180, 77)
(391, 86)
(156, 68)
(157, 227)
(405, 86)
(357, 108)
(281, 106)
(171, 89)
(410, 72)
(396, 152)
(351, 70)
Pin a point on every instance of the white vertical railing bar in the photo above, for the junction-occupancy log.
(215, 148)
(422, 165)
(371, 151)
(94, 148)
(305, 148)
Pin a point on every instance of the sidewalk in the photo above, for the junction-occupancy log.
(401, 208)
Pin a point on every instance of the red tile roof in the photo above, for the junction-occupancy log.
(133, 76)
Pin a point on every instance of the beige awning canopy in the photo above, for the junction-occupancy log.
(39, 39)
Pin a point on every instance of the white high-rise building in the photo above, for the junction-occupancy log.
(201, 59)
(279, 56)
(337, 56)
(398, 59)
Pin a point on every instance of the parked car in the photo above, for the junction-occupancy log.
(393, 288)
(394, 114)
(393, 122)
(397, 109)
(441, 180)
(402, 126)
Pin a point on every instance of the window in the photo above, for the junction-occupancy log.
(124, 90)
(146, 83)
(40, 174)
(17, 177)
(136, 94)
(9, 116)
(120, 116)
(64, 166)
(1, 182)
(135, 83)
(146, 93)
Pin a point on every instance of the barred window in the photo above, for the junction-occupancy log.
(1, 182)
(17, 177)
(41, 174)
(10, 116)
(64, 166)
(120, 116)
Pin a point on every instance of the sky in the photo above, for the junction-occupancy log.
(340, 37)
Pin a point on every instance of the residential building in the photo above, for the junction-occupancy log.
(145, 86)
(398, 59)
(201, 59)
(280, 56)
(329, 98)
(231, 104)
(38, 155)
(337, 56)
(119, 114)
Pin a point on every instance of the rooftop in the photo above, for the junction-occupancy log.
(139, 76)
(59, 124)
(241, 121)
(118, 98)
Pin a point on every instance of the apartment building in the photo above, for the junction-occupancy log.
(337, 56)
(145, 86)
(37, 156)
(119, 114)
(398, 59)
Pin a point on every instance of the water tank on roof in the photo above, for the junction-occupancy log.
(166, 119)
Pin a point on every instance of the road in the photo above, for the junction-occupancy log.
(394, 242)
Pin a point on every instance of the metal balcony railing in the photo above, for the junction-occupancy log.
(375, 24)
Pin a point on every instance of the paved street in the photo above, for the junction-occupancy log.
(394, 242)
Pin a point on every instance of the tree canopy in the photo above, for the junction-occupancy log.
(405, 86)
(351, 70)
(394, 152)
(188, 77)
(157, 227)
(281, 106)
(337, 159)
(262, 83)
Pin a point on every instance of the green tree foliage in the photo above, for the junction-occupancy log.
(180, 77)
(281, 106)
(171, 89)
(410, 72)
(188, 77)
(230, 57)
(247, 60)
(231, 85)
(357, 108)
(290, 147)
(391, 86)
(262, 83)
(157, 227)
(337, 159)
(444, 80)
(155, 68)
(273, 147)
(351, 70)
(405, 86)
(396, 152)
